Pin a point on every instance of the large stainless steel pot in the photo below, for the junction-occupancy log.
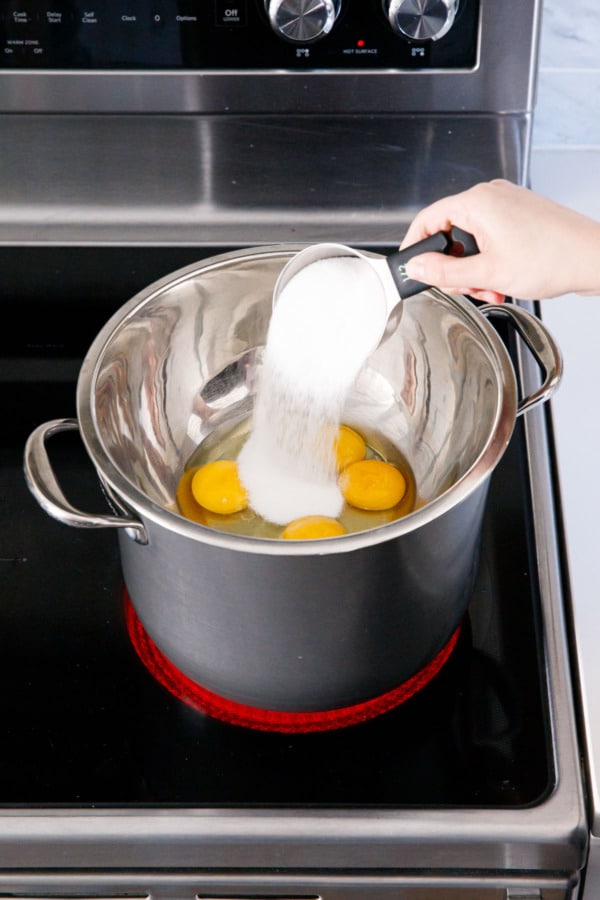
(285, 625)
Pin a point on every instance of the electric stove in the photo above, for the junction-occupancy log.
(104, 766)
(140, 137)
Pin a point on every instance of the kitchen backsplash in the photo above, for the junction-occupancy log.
(568, 102)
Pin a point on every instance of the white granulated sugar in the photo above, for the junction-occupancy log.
(322, 329)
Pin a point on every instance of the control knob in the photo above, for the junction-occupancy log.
(302, 21)
(421, 20)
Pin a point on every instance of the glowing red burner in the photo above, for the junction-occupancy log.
(218, 707)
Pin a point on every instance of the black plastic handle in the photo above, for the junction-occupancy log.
(457, 243)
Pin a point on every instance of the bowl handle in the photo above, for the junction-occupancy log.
(541, 344)
(42, 483)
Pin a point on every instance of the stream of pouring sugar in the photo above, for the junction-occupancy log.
(322, 330)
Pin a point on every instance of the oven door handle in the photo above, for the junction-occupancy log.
(44, 486)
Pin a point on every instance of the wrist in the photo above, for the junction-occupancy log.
(583, 263)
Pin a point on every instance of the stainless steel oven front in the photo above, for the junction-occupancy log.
(138, 136)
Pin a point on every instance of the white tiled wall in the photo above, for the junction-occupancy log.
(568, 104)
(566, 132)
(565, 165)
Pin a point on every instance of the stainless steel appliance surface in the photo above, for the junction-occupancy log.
(140, 137)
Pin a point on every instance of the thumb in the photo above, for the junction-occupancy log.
(446, 271)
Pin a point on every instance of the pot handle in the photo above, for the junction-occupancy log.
(42, 483)
(541, 344)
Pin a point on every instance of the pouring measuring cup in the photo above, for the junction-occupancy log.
(391, 270)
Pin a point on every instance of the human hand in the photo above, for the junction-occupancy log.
(530, 247)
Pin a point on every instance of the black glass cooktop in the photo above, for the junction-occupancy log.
(84, 723)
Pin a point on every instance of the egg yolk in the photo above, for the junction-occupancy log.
(185, 499)
(309, 527)
(372, 484)
(217, 487)
(349, 447)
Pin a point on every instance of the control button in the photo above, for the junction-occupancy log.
(230, 13)
(21, 17)
(33, 51)
(188, 13)
(12, 52)
(128, 16)
(158, 16)
(58, 14)
(421, 20)
(89, 16)
(302, 21)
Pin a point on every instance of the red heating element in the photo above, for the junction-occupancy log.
(182, 687)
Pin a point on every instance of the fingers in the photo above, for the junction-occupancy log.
(443, 271)
(467, 210)
(439, 269)
(429, 221)
(485, 296)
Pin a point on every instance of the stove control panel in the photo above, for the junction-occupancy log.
(235, 35)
